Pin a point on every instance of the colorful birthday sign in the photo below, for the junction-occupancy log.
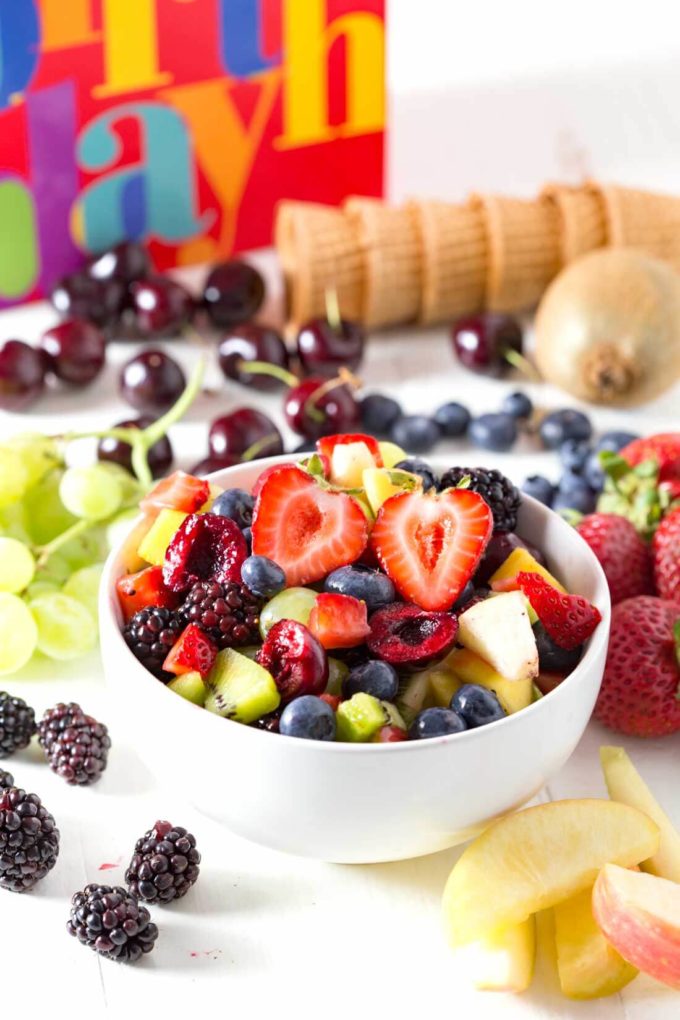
(180, 122)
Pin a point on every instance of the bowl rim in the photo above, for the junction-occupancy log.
(109, 622)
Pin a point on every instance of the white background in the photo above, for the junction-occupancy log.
(485, 95)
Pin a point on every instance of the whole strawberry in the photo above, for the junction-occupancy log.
(666, 557)
(639, 693)
(623, 555)
(664, 448)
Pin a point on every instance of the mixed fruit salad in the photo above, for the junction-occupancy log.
(353, 596)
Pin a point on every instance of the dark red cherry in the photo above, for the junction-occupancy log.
(233, 293)
(22, 375)
(335, 410)
(210, 464)
(296, 660)
(151, 381)
(249, 342)
(483, 342)
(160, 455)
(323, 348)
(75, 351)
(81, 296)
(240, 431)
(160, 306)
(127, 261)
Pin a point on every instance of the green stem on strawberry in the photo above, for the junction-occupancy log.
(266, 368)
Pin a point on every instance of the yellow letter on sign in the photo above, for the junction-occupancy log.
(130, 48)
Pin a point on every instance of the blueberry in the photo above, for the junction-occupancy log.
(493, 431)
(453, 419)
(559, 426)
(518, 405)
(264, 577)
(435, 722)
(477, 705)
(248, 535)
(574, 493)
(236, 504)
(420, 468)
(308, 717)
(614, 441)
(573, 454)
(552, 658)
(540, 488)
(593, 473)
(379, 413)
(467, 593)
(308, 446)
(372, 677)
(361, 582)
(415, 432)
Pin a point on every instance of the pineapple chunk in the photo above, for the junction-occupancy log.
(499, 630)
(470, 669)
(522, 560)
(381, 483)
(157, 539)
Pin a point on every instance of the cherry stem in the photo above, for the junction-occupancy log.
(343, 378)
(521, 363)
(333, 316)
(254, 451)
(266, 368)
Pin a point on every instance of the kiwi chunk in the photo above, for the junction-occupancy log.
(360, 718)
(190, 686)
(240, 689)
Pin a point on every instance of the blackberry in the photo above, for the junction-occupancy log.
(29, 839)
(76, 745)
(164, 865)
(503, 497)
(17, 724)
(150, 635)
(228, 612)
(6, 780)
(110, 921)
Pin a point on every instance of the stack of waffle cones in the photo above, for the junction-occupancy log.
(432, 261)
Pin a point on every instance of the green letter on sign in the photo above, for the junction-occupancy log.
(18, 239)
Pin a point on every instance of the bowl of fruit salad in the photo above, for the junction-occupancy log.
(353, 655)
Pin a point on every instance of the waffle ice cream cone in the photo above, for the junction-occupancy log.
(645, 220)
(581, 216)
(390, 243)
(523, 250)
(319, 251)
(454, 256)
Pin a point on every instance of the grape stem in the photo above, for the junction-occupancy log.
(43, 552)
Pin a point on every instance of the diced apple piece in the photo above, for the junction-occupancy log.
(157, 539)
(626, 785)
(502, 962)
(393, 716)
(470, 669)
(443, 685)
(348, 463)
(538, 857)
(391, 454)
(640, 916)
(589, 967)
(498, 629)
(415, 695)
(522, 560)
(381, 483)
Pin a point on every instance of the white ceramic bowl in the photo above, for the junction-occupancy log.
(360, 803)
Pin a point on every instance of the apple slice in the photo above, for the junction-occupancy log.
(640, 915)
(626, 785)
(538, 857)
(502, 962)
(499, 630)
(589, 967)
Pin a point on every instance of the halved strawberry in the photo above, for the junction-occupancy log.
(145, 588)
(339, 621)
(430, 545)
(263, 476)
(193, 652)
(568, 619)
(664, 448)
(179, 491)
(327, 444)
(307, 530)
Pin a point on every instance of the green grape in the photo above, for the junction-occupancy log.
(13, 476)
(289, 604)
(13, 523)
(40, 587)
(86, 549)
(39, 454)
(131, 490)
(337, 671)
(18, 633)
(17, 565)
(46, 515)
(56, 570)
(65, 628)
(83, 586)
(92, 493)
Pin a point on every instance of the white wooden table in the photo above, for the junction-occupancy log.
(261, 932)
